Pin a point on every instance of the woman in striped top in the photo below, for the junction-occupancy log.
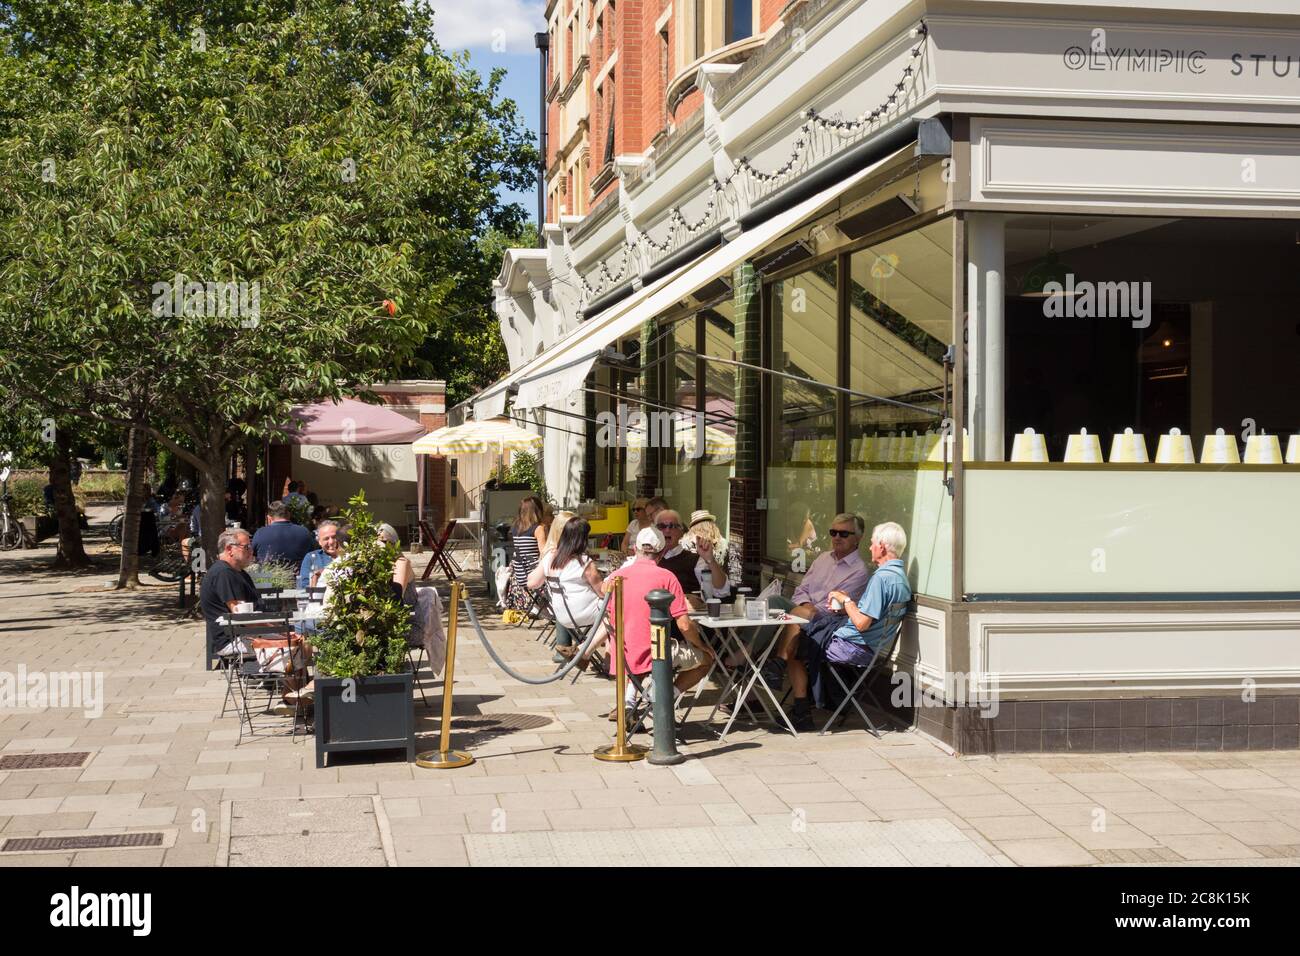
(528, 537)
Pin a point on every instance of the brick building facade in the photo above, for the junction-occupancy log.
(622, 78)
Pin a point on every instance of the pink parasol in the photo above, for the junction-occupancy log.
(349, 422)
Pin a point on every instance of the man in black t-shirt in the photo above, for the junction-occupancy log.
(226, 583)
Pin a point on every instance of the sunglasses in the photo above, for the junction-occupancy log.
(668, 527)
(837, 533)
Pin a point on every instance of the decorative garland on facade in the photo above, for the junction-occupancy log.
(813, 121)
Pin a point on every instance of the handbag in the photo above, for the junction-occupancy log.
(278, 655)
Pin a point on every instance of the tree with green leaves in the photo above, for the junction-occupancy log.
(212, 212)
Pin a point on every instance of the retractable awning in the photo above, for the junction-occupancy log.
(491, 402)
(564, 367)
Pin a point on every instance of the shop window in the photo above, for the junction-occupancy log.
(899, 327)
(1148, 324)
(801, 482)
(718, 460)
(670, 431)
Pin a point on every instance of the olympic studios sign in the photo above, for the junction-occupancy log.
(1100, 56)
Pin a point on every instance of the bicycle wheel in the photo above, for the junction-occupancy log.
(11, 533)
(115, 529)
(170, 566)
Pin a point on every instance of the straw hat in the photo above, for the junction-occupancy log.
(701, 515)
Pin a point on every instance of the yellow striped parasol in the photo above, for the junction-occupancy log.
(494, 435)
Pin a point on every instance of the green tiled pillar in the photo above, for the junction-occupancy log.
(648, 480)
(746, 520)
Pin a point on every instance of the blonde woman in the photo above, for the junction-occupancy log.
(704, 538)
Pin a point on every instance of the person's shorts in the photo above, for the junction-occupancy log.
(687, 656)
(817, 640)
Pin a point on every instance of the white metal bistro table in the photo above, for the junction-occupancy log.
(748, 671)
(311, 614)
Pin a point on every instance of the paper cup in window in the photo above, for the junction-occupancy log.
(1220, 449)
(1175, 449)
(1083, 449)
(1293, 450)
(1263, 449)
(1028, 446)
(1128, 448)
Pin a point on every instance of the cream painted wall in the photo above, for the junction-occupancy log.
(336, 472)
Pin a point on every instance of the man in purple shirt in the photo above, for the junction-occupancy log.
(839, 569)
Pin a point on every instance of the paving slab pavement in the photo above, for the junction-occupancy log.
(163, 759)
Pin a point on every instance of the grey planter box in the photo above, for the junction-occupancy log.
(381, 718)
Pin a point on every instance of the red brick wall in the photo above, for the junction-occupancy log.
(690, 104)
(769, 11)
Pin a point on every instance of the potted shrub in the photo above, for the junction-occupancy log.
(363, 685)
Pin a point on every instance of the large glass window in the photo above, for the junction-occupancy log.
(900, 326)
(1153, 325)
(801, 488)
(670, 429)
(718, 462)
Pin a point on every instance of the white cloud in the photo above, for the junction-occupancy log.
(501, 26)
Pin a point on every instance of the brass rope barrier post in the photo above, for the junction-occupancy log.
(444, 758)
(620, 750)
(665, 749)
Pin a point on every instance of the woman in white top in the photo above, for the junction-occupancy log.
(577, 606)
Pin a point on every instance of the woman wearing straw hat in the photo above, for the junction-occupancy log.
(714, 559)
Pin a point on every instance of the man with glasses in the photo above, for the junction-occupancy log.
(679, 560)
(854, 639)
(839, 569)
(226, 584)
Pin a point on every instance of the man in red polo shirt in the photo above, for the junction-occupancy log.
(641, 575)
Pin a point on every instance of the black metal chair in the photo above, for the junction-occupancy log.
(247, 677)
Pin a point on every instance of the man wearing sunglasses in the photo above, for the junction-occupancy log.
(679, 560)
(226, 584)
(839, 569)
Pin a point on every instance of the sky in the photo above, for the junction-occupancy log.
(499, 33)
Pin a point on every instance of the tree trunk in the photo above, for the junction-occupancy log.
(137, 444)
(71, 552)
(212, 501)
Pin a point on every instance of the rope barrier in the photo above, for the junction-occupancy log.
(562, 671)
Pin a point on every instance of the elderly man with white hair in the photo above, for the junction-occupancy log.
(327, 536)
(832, 639)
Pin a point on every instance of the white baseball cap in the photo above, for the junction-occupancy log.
(649, 537)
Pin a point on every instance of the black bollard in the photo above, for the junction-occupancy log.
(661, 670)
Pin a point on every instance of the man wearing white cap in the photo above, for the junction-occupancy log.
(640, 576)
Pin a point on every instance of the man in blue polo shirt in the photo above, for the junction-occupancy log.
(281, 540)
(830, 639)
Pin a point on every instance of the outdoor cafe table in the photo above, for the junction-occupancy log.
(312, 614)
(736, 633)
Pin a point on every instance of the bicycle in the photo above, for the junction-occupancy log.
(171, 563)
(11, 532)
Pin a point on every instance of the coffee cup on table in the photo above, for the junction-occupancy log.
(714, 606)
